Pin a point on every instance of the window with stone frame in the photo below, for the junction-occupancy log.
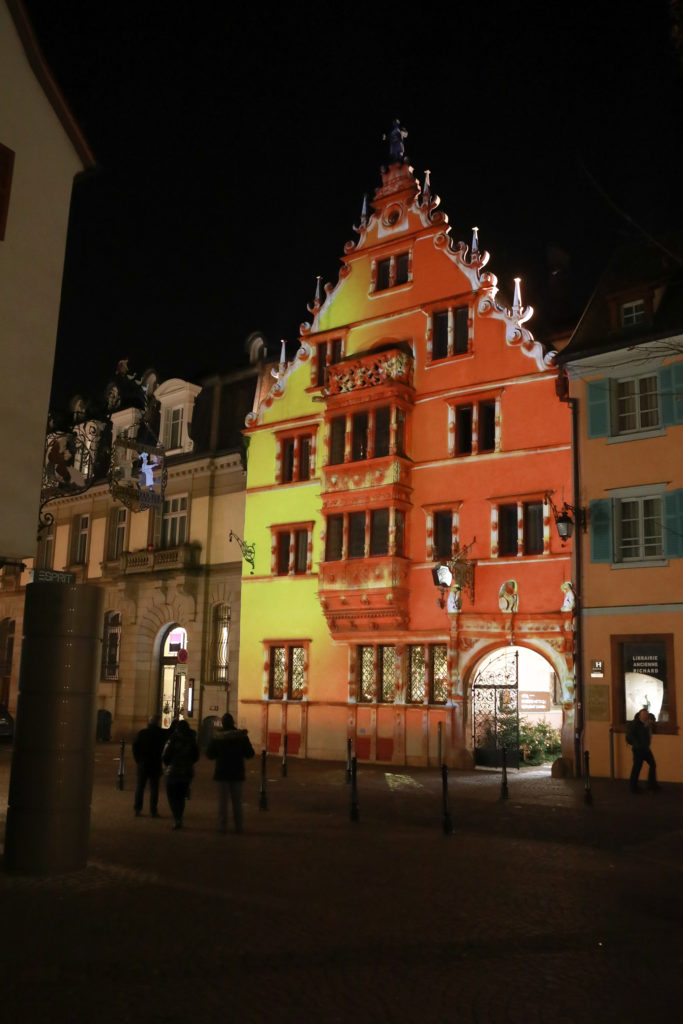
(287, 670)
(370, 432)
(474, 427)
(117, 529)
(80, 532)
(328, 353)
(220, 643)
(291, 549)
(296, 457)
(367, 534)
(513, 541)
(174, 521)
(450, 332)
(376, 668)
(392, 271)
(46, 547)
(427, 674)
(111, 646)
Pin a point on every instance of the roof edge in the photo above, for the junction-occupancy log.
(48, 83)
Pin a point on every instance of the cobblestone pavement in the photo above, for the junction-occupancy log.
(539, 908)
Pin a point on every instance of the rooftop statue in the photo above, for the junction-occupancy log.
(396, 136)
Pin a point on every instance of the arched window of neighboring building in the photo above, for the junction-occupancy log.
(220, 643)
(6, 656)
(111, 645)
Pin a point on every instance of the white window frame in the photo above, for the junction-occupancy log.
(174, 521)
(632, 313)
(641, 548)
(637, 398)
(118, 531)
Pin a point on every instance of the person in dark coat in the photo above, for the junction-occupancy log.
(147, 748)
(229, 748)
(180, 754)
(639, 735)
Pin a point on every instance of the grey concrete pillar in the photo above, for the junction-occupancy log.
(48, 814)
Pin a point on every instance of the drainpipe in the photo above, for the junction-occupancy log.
(573, 404)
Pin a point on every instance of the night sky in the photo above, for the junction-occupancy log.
(234, 147)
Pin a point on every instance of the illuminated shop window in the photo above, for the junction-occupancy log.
(427, 674)
(643, 676)
(287, 671)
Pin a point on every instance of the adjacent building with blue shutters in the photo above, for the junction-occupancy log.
(625, 370)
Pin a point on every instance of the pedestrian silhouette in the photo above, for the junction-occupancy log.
(229, 748)
(180, 754)
(147, 749)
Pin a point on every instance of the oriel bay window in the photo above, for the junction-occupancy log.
(427, 674)
(287, 670)
(292, 549)
(295, 458)
(365, 534)
(371, 434)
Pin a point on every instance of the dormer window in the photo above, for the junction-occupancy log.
(176, 398)
(633, 313)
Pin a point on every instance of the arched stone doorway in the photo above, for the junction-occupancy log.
(176, 690)
(511, 684)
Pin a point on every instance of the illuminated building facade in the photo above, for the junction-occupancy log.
(625, 368)
(418, 425)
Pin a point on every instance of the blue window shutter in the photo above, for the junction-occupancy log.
(673, 524)
(601, 530)
(671, 394)
(597, 395)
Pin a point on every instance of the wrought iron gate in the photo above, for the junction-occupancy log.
(495, 711)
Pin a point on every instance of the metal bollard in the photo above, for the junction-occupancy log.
(587, 792)
(284, 756)
(504, 776)
(447, 820)
(354, 789)
(611, 753)
(348, 760)
(439, 734)
(262, 794)
(122, 764)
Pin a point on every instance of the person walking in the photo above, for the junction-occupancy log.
(639, 736)
(147, 749)
(229, 748)
(180, 754)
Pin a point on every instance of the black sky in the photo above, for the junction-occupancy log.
(234, 147)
